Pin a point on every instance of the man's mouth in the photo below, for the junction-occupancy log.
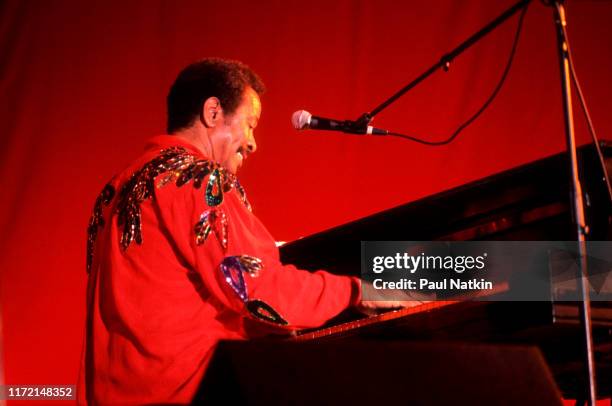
(241, 154)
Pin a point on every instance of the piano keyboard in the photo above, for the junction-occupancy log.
(352, 325)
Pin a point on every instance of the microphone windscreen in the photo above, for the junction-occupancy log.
(301, 119)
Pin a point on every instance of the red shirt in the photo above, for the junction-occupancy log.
(176, 267)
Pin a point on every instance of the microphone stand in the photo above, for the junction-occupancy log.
(577, 204)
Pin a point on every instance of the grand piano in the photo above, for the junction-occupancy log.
(527, 203)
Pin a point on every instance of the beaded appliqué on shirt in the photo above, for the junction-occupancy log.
(213, 220)
(233, 269)
(243, 196)
(263, 311)
(176, 165)
(96, 220)
(214, 189)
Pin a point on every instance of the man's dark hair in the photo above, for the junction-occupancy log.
(210, 77)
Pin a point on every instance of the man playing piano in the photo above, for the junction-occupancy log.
(177, 260)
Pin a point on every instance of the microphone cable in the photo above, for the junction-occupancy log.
(487, 102)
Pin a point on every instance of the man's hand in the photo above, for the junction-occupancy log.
(374, 300)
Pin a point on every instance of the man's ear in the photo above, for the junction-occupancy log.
(211, 112)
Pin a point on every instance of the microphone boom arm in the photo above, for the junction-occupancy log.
(444, 63)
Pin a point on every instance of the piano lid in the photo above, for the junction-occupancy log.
(529, 202)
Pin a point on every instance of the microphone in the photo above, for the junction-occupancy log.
(303, 120)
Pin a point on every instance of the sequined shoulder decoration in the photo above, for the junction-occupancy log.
(180, 167)
(96, 220)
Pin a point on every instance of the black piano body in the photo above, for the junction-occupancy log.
(528, 203)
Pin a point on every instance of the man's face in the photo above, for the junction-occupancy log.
(234, 137)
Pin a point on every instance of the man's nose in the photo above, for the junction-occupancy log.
(251, 145)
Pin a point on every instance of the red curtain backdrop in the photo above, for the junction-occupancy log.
(83, 85)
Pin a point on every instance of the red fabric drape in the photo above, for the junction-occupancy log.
(83, 84)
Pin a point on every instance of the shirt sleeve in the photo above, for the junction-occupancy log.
(237, 261)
